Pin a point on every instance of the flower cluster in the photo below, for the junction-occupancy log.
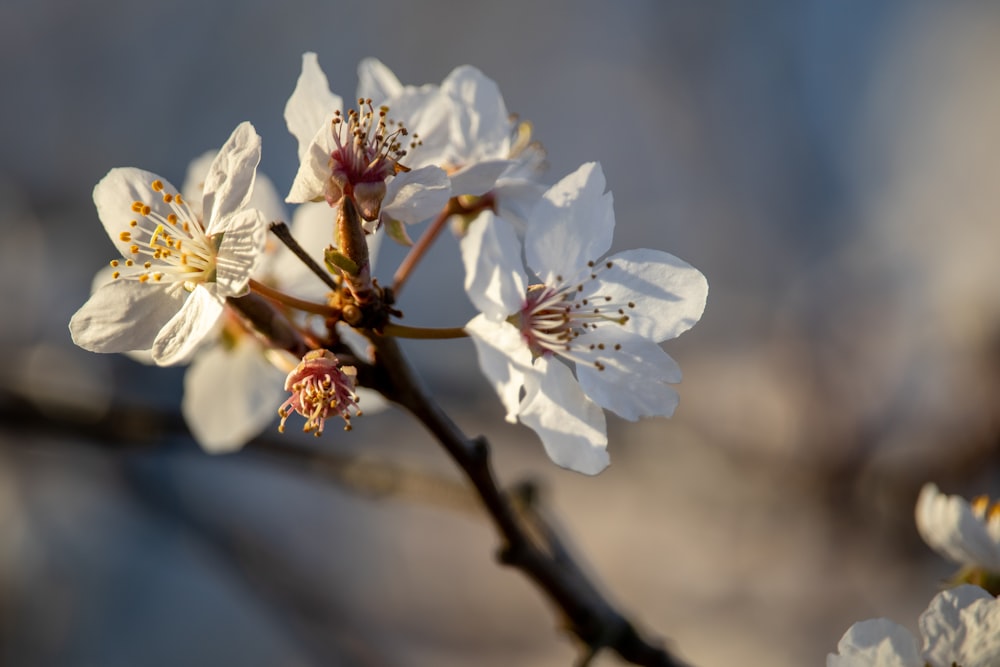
(961, 626)
(563, 334)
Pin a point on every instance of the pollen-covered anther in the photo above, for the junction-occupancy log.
(167, 246)
(985, 510)
(320, 389)
(557, 319)
(368, 151)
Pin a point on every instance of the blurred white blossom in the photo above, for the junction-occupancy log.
(961, 627)
(965, 533)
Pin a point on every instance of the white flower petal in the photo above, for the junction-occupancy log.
(668, 293)
(503, 357)
(481, 126)
(230, 177)
(962, 626)
(377, 82)
(478, 178)
(949, 527)
(426, 113)
(231, 395)
(122, 316)
(515, 199)
(311, 104)
(370, 402)
(115, 194)
(264, 198)
(181, 336)
(494, 279)
(876, 643)
(571, 225)
(244, 235)
(193, 188)
(633, 379)
(417, 195)
(571, 426)
(314, 170)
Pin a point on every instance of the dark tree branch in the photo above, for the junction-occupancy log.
(530, 543)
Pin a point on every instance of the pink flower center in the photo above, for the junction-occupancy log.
(553, 318)
(369, 148)
(321, 388)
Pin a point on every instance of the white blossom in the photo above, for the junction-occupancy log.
(960, 628)
(180, 259)
(605, 317)
(967, 534)
(358, 154)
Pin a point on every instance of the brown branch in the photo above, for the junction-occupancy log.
(530, 543)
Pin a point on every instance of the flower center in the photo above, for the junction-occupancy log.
(556, 319)
(321, 388)
(167, 244)
(369, 148)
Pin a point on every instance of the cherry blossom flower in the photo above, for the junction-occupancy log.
(465, 128)
(235, 380)
(180, 259)
(965, 533)
(961, 627)
(605, 317)
(321, 388)
(358, 154)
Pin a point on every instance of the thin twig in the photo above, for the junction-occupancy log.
(280, 229)
(291, 301)
(424, 333)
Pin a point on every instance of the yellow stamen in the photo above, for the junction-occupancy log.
(979, 505)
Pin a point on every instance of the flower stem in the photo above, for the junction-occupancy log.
(291, 301)
(419, 249)
(280, 229)
(403, 331)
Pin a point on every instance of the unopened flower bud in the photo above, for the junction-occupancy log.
(369, 198)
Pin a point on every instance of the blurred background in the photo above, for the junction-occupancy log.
(832, 167)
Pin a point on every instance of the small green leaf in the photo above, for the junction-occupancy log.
(396, 231)
(337, 262)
